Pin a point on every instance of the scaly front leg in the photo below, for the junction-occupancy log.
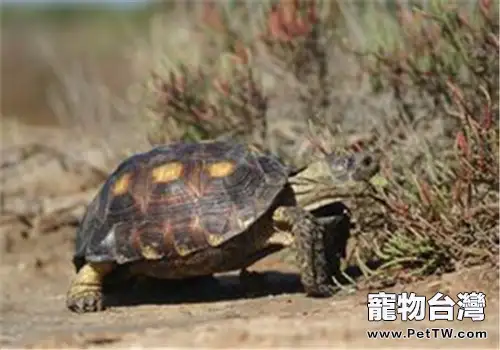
(85, 292)
(310, 249)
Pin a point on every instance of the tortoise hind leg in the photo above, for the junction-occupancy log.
(85, 292)
(310, 249)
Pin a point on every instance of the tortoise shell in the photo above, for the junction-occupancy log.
(178, 199)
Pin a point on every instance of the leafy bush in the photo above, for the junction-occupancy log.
(437, 209)
(441, 210)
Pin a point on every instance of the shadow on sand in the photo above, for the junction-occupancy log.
(203, 289)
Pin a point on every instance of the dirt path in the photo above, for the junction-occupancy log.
(35, 274)
(36, 271)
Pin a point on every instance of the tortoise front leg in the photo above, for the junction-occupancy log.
(85, 292)
(310, 249)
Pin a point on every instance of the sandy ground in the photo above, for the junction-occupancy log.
(36, 271)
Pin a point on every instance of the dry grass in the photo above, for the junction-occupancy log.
(425, 97)
(441, 202)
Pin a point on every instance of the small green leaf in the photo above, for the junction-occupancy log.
(379, 181)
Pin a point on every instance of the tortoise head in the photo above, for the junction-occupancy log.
(354, 168)
(333, 177)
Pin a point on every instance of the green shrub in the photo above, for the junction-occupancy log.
(437, 208)
(441, 209)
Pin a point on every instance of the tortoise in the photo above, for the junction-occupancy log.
(185, 210)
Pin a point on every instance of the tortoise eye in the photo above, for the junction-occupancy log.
(367, 161)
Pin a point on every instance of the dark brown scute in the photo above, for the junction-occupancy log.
(184, 211)
(195, 178)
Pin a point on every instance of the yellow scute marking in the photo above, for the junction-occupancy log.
(150, 252)
(167, 172)
(221, 169)
(244, 223)
(121, 185)
(214, 240)
(183, 249)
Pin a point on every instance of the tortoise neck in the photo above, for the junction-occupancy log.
(309, 186)
(316, 186)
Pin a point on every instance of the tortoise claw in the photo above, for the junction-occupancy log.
(87, 301)
(85, 293)
(319, 291)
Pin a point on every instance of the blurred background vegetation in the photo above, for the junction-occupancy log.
(34, 35)
(93, 34)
